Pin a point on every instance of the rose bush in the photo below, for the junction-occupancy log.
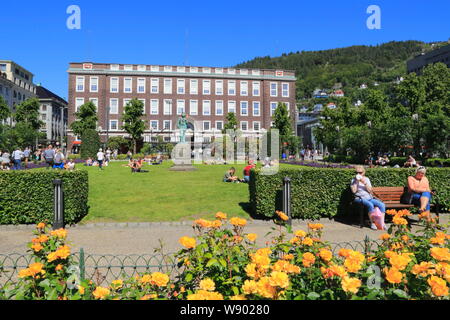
(222, 262)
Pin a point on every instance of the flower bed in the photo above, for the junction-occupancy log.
(222, 262)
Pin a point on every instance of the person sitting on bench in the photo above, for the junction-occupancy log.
(419, 186)
(362, 189)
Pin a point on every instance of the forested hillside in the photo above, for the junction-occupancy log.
(350, 66)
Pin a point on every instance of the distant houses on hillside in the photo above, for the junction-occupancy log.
(326, 93)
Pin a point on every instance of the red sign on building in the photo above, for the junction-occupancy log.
(279, 73)
(87, 66)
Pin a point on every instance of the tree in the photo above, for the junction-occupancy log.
(230, 122)
(28, 112)
(282, 121)
(118, 143)
(133, 123)
(90, 143)
(4, 110)
(86, 119)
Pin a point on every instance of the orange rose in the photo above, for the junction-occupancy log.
(187, 242)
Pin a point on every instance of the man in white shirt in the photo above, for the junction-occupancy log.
(100, 159)
(17, 158)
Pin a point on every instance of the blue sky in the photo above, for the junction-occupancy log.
(200, 33)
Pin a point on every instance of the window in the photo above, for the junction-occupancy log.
(256, 88)
(194, 86)
(273, 89)
(256, 72)
(167, 68)
(244, 88)
(167, 107)
(95, 102)
(206, 70)
(232, 88)
(167, 124)
(180, 107)
(219, 87)
(206, 125)
(141, 85)
(232, 106)
(3, 67)
(154, 124)
(142, 68)
(166, 139)
(273, 106)
(114, 67)
(114, 85)
(285, 89)
(244, 125)
(168, 86)
(80, 84)
(180, 69)
(193, 108)
(78, 103)
(256, 126)
(125, 102)
(155, 85)
(154, 106)
(206, 86)
(180, 86)
(218, 70)
(243, 71)
(194, 69)
(219, 108)
(154, 68)
(206, 107)
(114, 106)
(256, 109)
(113, 125)
(219, 125)
(231, 71)
(94, 84)
(244, 108)
(127, 85)
(128, 67)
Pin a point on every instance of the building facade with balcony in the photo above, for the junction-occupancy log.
(204, 94)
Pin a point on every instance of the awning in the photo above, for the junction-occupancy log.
(76, 142)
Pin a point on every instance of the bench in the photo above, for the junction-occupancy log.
(391, 198)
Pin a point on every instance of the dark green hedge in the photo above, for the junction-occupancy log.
(325, 192)
(26, 197)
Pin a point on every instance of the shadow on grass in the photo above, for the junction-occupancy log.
(247, 207)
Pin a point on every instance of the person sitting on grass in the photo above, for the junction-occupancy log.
(362, 189)
(419, 186)
(137, 167)
(70, 165)
(410, 163)
(88, 162)
(247, 170)
(230, 176)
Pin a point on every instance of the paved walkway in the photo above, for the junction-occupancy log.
(143, 238)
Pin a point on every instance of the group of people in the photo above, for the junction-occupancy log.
(136, 165)
(418, 187)
(102, 159)
(230, 175)
(309, 154)
(53, 157)
(375, 161)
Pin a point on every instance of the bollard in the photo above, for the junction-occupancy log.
(82, 265)
(287, 199)
(58, 205)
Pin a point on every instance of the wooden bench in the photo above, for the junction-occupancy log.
(391, 198)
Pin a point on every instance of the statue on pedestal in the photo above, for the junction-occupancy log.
(182, 125)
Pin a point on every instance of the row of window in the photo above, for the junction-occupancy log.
(128, 67)
(4, 91)
(181, 86)
(181, 106)
(167, 125)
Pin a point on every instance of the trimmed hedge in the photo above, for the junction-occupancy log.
(323, 192)
(26, 197)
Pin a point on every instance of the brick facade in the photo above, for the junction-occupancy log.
(104, 73)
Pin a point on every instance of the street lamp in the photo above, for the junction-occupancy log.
(415, 117)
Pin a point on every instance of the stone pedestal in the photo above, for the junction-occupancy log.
(181, 156)
(183, 167)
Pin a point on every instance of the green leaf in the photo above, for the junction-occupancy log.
(235, 290)
(313, 296)
(212, 262)
(188, 277)
(400, 293)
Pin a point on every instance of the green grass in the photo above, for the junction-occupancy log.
(117, 195)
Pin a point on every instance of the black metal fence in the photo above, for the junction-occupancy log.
(103, 269)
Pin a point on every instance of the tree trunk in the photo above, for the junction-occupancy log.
(134, 146)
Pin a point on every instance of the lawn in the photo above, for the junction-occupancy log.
(117, 195)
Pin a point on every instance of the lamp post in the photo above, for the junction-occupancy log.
(415, 117)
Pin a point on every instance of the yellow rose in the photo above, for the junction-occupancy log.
(279, 279)
(187, 242)
(207, 285)
(159, 279)
(350, 284)
(100, 292)
(252, 237)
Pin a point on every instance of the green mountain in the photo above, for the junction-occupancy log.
(347, 67)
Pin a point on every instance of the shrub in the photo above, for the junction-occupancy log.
(90, 144)
(323, 192)
(74, 156)
(27, 196)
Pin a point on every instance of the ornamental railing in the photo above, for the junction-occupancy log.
(103, 269)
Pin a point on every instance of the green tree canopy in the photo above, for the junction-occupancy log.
(28, 112)
(86, 119)
(134, 125)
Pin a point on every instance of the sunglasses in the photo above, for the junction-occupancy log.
(358, 172)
